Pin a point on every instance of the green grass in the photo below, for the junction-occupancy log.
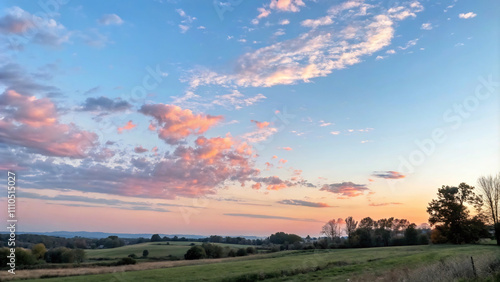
(156, 249)
(313, 265)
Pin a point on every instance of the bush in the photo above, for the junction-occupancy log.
(79, 255)
(251, 250)
(423, 239)
(212, 250)
(145, 253)
(398, 241)
(437, 237)
(195, 252)
(65, 255)
(24, 257)
(274, 249)
(134, 256)
(125, 261)
(39, 250)
(231, 253)
(241, 252)
(411, 236)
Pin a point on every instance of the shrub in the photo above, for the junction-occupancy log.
(251, 250)
(241, 252)
(423, 239)
(79, 255)
(195, 252)
(437, 237)
(411, 235)
(145, 253)
(231, 253)
(24, 257)
(125, 261)
(212, 250)
(65, 255)
(134, 256)
(274, 249)
(39, 250)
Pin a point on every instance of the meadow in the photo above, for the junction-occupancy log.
(310, 265)
(155, 249)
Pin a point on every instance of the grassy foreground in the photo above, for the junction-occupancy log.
(313, 265)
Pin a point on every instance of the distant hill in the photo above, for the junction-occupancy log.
(98, 235)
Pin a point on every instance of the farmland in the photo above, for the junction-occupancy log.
(156, 249)
(312, 265)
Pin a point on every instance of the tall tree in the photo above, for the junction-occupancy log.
(332, 229)
(451, 212)
(367, 222)
(350, 226)
(489, 188)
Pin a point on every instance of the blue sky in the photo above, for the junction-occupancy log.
(342, 91)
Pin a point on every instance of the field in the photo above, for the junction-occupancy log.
(312, 265)
(156, 249)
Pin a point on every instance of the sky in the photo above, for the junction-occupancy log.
(243, 117)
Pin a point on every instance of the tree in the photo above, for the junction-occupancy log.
(213, 250)
(39, 250)
(79, 255)
(282, 237)
(411, 235)
(195, 252)
(145, 253)
(363, 237)
(366, 222)
(350, 226)
(450, 211)
(489, 188)
(155, 238)
(24, 257)
(331, 229)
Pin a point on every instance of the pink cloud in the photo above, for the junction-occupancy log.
(256, 186)
(33, 123)
(345, 189)
(286, 148)
(128, 126)
(286, 5)
(174, 124)
(261, 125)
(196, 171)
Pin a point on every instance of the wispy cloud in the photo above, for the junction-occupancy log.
(346, 189)
(389, 174)
(111, 19)
(468, 15)
(261, 216)
(186, 20)
(384, 204)
(315, 53)
(303, 203)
